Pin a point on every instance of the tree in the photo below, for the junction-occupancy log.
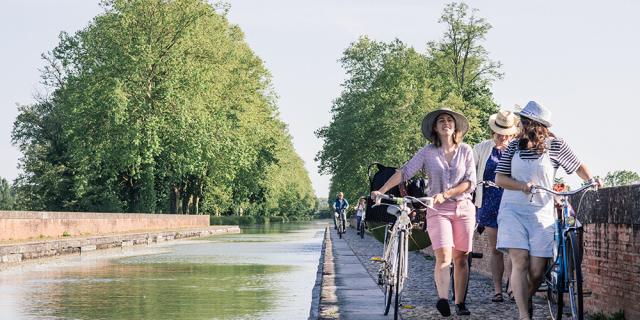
(156, 106)
(7, 195)
(377, 116)
(621, 178)
(460, 66)
(389, 89)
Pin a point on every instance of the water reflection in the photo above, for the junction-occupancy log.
(263, 273)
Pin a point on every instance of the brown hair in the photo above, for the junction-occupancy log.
(434, 135)
(535, 133)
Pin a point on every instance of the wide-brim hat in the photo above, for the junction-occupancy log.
(536, 112)
(504, 122)
(462, 124)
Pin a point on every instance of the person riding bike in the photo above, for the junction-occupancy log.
(339, 207)
(360, 208)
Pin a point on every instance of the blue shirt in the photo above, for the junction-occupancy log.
(340, 205)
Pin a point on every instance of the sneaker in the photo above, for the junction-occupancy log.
(443, 307)
(462, 310)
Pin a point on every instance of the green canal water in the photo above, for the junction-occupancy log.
(266, 272)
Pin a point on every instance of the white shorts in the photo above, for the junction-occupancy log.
(523, 226)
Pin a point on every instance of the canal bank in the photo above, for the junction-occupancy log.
(346, 290)
(15, 253)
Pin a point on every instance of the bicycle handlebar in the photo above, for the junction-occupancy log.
(489, 183)
(425, 201)
(535, 188)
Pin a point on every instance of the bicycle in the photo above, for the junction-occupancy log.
(362, 225)
(341, 223)
(564, 273)
(471, 256)
(393, 271)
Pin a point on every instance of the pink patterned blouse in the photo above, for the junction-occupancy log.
(441, 175)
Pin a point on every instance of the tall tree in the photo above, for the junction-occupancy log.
(389, 89)
(157, 106)
(7, 195)
(460, 65)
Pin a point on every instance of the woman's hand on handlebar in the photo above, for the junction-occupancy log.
(438, 198)
(375, 194)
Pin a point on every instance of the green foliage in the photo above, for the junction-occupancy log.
(159, 106)
(7, 195)
(389, 89)
(621, 178)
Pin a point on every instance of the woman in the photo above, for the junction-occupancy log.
(504, 126)
(527, 221)
(449, 165)
(360, 208)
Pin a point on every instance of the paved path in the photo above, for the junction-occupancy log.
(419, 295)
(348, 292)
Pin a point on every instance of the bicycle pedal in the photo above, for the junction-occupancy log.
(377, 259)
(408, 306)
(587, 293)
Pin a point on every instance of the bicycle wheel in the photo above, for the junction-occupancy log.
(400, 268)
(574, 276)
(453, 283)
(361, 229)
(390, 273)
(555, 293)
(340, 228)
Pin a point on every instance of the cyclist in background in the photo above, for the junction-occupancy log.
(339, 207)
(504, 126)
(449, 166)
(527, 221)
(360, 208)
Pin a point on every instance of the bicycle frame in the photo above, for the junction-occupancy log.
(394, 270)
(558, 275)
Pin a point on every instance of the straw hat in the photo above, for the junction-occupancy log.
(462, 124)
(504, 123)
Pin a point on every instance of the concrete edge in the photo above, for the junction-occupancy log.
(314, 313)
(15, 254)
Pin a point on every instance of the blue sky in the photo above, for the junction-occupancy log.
(578, 58)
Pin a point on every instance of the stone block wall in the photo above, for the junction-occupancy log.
(25, 225)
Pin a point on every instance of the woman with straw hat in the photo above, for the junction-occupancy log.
(504, 127)
(448, 164)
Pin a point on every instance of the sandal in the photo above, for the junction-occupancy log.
(497, 298)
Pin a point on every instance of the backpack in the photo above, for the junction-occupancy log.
(416, 187)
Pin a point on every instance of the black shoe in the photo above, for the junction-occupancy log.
(462, 310)
(443, 307)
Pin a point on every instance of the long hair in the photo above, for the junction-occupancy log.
(436, 138)
(533, 136)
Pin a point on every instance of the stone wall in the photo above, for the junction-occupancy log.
(25, 225)
(611, 219)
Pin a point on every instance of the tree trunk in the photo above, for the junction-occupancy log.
(174, 196)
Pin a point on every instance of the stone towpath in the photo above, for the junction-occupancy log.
(357, 295)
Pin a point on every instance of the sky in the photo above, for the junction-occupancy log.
(577, 58)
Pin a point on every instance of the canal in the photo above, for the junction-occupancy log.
(266, 272)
